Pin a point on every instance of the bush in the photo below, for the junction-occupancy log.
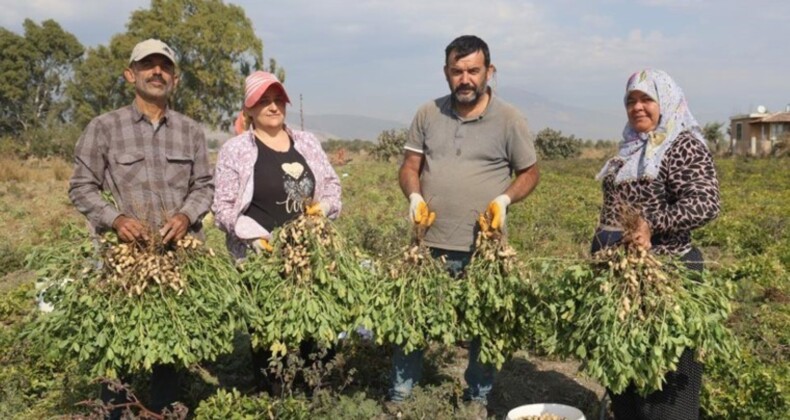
(551, 144)
(356, 145)
(57, 140)
(233, 405)
(390, 145)
(745, 390)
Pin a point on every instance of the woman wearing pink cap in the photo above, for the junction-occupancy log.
(268, 173)
(266, 176)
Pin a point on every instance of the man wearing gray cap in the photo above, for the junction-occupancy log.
(153, 162)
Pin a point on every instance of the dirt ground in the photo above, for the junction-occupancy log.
(529, 379)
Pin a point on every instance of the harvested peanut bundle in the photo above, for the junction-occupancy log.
(628, 316)
(494, 302)
(310, 286)
(643, 280)
(137, 265)
(414, 300)
(143, 306)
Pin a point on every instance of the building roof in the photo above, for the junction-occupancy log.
(777, 117)
(766, 117)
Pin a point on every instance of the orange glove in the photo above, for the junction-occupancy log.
(318, 208)
(418, 210)
(497, 209)
(261, 245)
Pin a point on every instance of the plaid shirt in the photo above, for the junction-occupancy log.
(151, 171)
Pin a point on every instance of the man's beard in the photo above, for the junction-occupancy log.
(469, 99)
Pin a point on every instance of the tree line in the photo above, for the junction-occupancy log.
(51, 85)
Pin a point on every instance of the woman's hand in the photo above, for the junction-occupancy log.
(318, 208)
(640, 236)
(261, 245)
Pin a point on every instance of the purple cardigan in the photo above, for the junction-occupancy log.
(233, 179)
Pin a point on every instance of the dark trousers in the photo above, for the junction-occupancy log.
(678, 399)
(163, 391)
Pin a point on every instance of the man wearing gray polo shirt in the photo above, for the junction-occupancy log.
(460, 156)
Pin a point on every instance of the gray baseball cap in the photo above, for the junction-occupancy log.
(152, 46)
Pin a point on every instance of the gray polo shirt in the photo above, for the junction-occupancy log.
(467, 164)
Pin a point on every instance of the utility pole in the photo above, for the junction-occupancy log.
(301, 112)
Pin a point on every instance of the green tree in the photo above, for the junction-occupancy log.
(215, 47)
(34, 70)
(98, 85)
(551, 144)
(275, 70)
(713, 134)
(389, 145)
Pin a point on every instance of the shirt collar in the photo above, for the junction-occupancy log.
(138, 116)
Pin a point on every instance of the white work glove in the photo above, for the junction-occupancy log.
(497, 210)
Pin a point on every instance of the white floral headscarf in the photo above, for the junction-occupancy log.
(643, 152)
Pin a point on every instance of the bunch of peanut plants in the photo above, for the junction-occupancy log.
(105, 318)
(628, 316)
(414, 302)
(310, 286)
(495, 302)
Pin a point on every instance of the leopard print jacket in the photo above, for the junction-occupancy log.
(684, 196)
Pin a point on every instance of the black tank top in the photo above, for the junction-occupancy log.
(282, 185)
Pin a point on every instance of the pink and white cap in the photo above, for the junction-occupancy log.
(256, 84)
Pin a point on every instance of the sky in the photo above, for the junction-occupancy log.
(383, 59)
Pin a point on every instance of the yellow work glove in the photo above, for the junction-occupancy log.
(418, 210)
(497, 210)
(261, 245)
(318, 208)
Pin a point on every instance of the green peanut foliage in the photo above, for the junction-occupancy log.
(310, 287)
(629, 317)
(100, 324)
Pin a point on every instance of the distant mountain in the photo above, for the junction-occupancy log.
(582, 123)
(347, 127)
(540, 112)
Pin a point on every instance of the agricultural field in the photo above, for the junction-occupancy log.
(749, 245)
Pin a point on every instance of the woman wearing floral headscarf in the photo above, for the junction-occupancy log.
(664, 171)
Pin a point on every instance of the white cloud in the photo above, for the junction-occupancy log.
(384, 57)
(597, 21)
(14, 11)
(679, 4)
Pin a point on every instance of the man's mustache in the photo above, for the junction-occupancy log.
(159, 79)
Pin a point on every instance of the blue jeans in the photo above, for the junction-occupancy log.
(407, 368)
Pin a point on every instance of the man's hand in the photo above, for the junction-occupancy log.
(639, 237)
(175, 228)
(497, 210)
(418, 210)
(129, 229)
(261, 245)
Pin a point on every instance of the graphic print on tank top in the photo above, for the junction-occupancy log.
(298, 188)
(283, 185)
